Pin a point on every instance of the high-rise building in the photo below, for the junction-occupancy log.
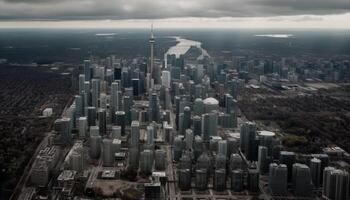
(263, 160)
(210, 104)
(95, 92)
(146, 162)
(247, 139)
(335, 184)
(301, 178)
(201, 179)
(63, 127)
(166, 78)
(153, 112)
(222, 147)
(102, 121)
(95, 145)
(87, 70)
(152, 42)
(82, 127)
(81, 83)
(91, 116)
(160, 160)
(135, 134)
(237, 178)
(120, 121)
(315, 169)
(198, 107)
(288, 158)
(278, 177)
(197, 125)
(116, 132)
(253, 180)
(108, 156)
(184, 179)
(133, 158)
(219, 181)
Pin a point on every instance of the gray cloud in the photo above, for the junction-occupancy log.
(158, 9)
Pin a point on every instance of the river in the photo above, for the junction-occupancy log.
(182, 46)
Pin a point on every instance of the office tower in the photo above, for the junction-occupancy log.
(79, 105)
(197, 146)
(253, 180)
(82, 127)
(201, 179)
(153, 108)
(133, 158)
(135, 114)
(91, 116)
(189, 139)
(288, 158)
(117, 72)
(210, 104)
(219, 181)
(335, 183)
(184, 179)
(237, 180)
(87, 94)
(116, 132)
(63, 127)
(178, 147)
(166, 78)
(278, 177)
(186, 121)
(204, 162)
(114, 102)
(81, 83)
(186, 161)
(168, 132)
(135, 134)
(127, 107)
(160, 160)
(146, 162)
(263, 160)
(197, 125)
(103, 100)
(247, 136)
(87, 70)
(198, 107)
(153, 191)
(108, 156)
(315, 169)
(95, 92)
(95, 144)
(150, 135)
(230, 104)
(209, 125)
(102, 121)
(220, 161)
(301, 180)
(267, 139)
(135, 86)
(222, 147)
(120, 121)
(125, 78)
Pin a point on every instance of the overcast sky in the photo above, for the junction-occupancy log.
(201, 13)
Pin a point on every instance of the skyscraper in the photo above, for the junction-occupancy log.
(151, 42)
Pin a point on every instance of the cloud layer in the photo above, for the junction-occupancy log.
(160, 9)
